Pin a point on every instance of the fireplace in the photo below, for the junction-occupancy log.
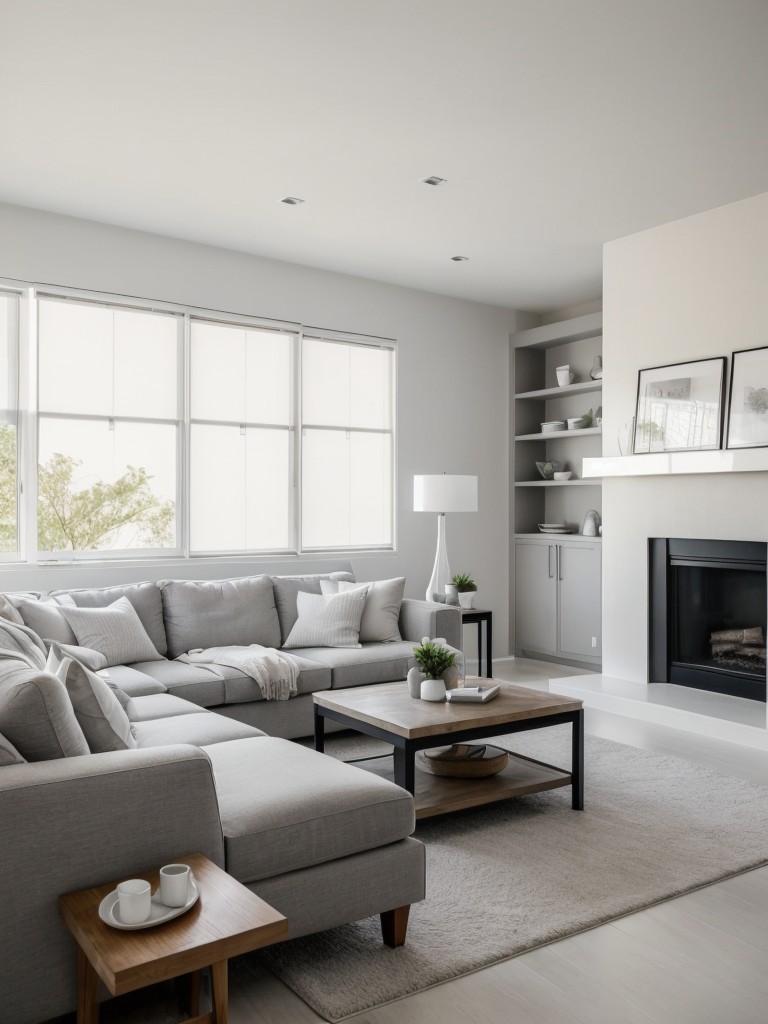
(707, 615)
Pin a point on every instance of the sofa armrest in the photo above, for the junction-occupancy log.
(77, 822)
(427, 618)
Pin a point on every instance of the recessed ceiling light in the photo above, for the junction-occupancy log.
(434, 180)
(292, 201)
(460, 259)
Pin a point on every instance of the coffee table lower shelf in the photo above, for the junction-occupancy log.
(437, 794)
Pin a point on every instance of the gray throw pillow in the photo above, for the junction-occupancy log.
(103, 720)
(36, 714)
(115, 631)
(8, 753)
(381, 615)
(9, 611)
(219, 613)
(47, 620)
(287, 587)
(145, 598)
(22, 642)
(328, 621)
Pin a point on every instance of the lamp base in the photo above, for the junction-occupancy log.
(441, 573)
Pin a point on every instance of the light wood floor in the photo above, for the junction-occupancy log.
(699, 959)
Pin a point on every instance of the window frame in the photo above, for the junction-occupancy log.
(16, 414)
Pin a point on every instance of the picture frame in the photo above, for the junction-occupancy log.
(680, 407)
(748, 399)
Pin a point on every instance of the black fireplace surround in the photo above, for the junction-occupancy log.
(697, 588)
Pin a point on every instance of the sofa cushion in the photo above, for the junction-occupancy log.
(145, 598)
(240, 689)
(159, 705)
(331, 620)
(8, 753)
(287, 587)
(36, 714)
(22, 642)
(284, 807)
(46, 619)
(116, 632)
(380, 621)
(371, 663)
(131, 680)
(200, 730)
(103, 720)
(219, 613)
(9, 611)
(198, 683)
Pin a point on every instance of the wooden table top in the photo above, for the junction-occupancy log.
(227, 920)
(389, 707)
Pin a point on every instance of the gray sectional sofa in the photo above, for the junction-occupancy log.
(211, 771)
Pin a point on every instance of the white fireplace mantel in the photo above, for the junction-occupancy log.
(744, 460)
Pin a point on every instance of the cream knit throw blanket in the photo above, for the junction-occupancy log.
(275, 672)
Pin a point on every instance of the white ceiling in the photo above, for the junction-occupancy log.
(559, 124)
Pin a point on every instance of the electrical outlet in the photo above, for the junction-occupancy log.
(594, 641)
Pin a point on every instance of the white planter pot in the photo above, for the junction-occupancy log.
(433, 689)
(467, 598)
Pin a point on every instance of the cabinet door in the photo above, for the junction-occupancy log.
(580, 605)
(536, 596)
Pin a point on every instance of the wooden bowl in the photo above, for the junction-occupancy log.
(464, 761)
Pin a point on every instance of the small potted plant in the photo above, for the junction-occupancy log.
(435, 667)
(467, 589)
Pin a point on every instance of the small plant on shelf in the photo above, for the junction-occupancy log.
(464, 583)
(433, 659)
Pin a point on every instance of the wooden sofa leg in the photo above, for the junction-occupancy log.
(394, 925)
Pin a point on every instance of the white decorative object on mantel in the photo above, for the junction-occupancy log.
(591, 524)
(743, 460)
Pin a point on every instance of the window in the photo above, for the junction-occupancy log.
(9, 488)
(108, 428)
(347, 448)
(241, 438)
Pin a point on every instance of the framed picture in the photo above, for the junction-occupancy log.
(680, 407)
(748, 402)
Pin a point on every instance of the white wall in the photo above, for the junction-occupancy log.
(691, 289)
(453, 368)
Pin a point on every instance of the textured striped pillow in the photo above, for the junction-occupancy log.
(331, 620)
(116, 631)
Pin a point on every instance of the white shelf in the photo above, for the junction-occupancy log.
(561, 333)
(557, 483)
(582, 388)
(552, 434)
(743, 460)
(564, 536)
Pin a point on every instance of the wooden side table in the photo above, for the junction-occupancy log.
(480, 616)
(227, 920)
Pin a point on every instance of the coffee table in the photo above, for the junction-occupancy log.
(227, 920)
(386, 712)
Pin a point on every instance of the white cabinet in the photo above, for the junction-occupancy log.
(557, 597)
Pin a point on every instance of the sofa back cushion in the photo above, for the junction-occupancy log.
(286, 589)
(219, 613)
(45, 618)
(8, 753)
(145, 598)
(22, 642)
(36, 714)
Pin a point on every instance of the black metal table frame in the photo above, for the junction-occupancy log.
(469, 616)
(404, 752)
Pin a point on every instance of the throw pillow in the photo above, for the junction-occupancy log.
(8, 753)
(328, 620)
(36, 713)
(287, 587)
(104, 722)
(8, 611)
(145, 598)
(22, 642)
(115, 631)
(381, 614)
(47, 620)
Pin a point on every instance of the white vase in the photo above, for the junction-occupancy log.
(451, 594)
(452, 677)
(433, 689)
(441, 574)
(467, 598)
(414, 680)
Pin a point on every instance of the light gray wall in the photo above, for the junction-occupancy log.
(691, 289)
(453, 366)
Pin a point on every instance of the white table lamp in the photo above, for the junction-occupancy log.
(441, 494)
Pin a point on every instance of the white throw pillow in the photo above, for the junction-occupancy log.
(115, 631)
(328, 620)
(381, 614)
(104, 722)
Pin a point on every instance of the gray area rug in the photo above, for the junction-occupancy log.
(508, 877)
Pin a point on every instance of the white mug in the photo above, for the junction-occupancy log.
(134, 900)
(174, 884)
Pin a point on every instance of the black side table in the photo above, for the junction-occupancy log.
(480, 616)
